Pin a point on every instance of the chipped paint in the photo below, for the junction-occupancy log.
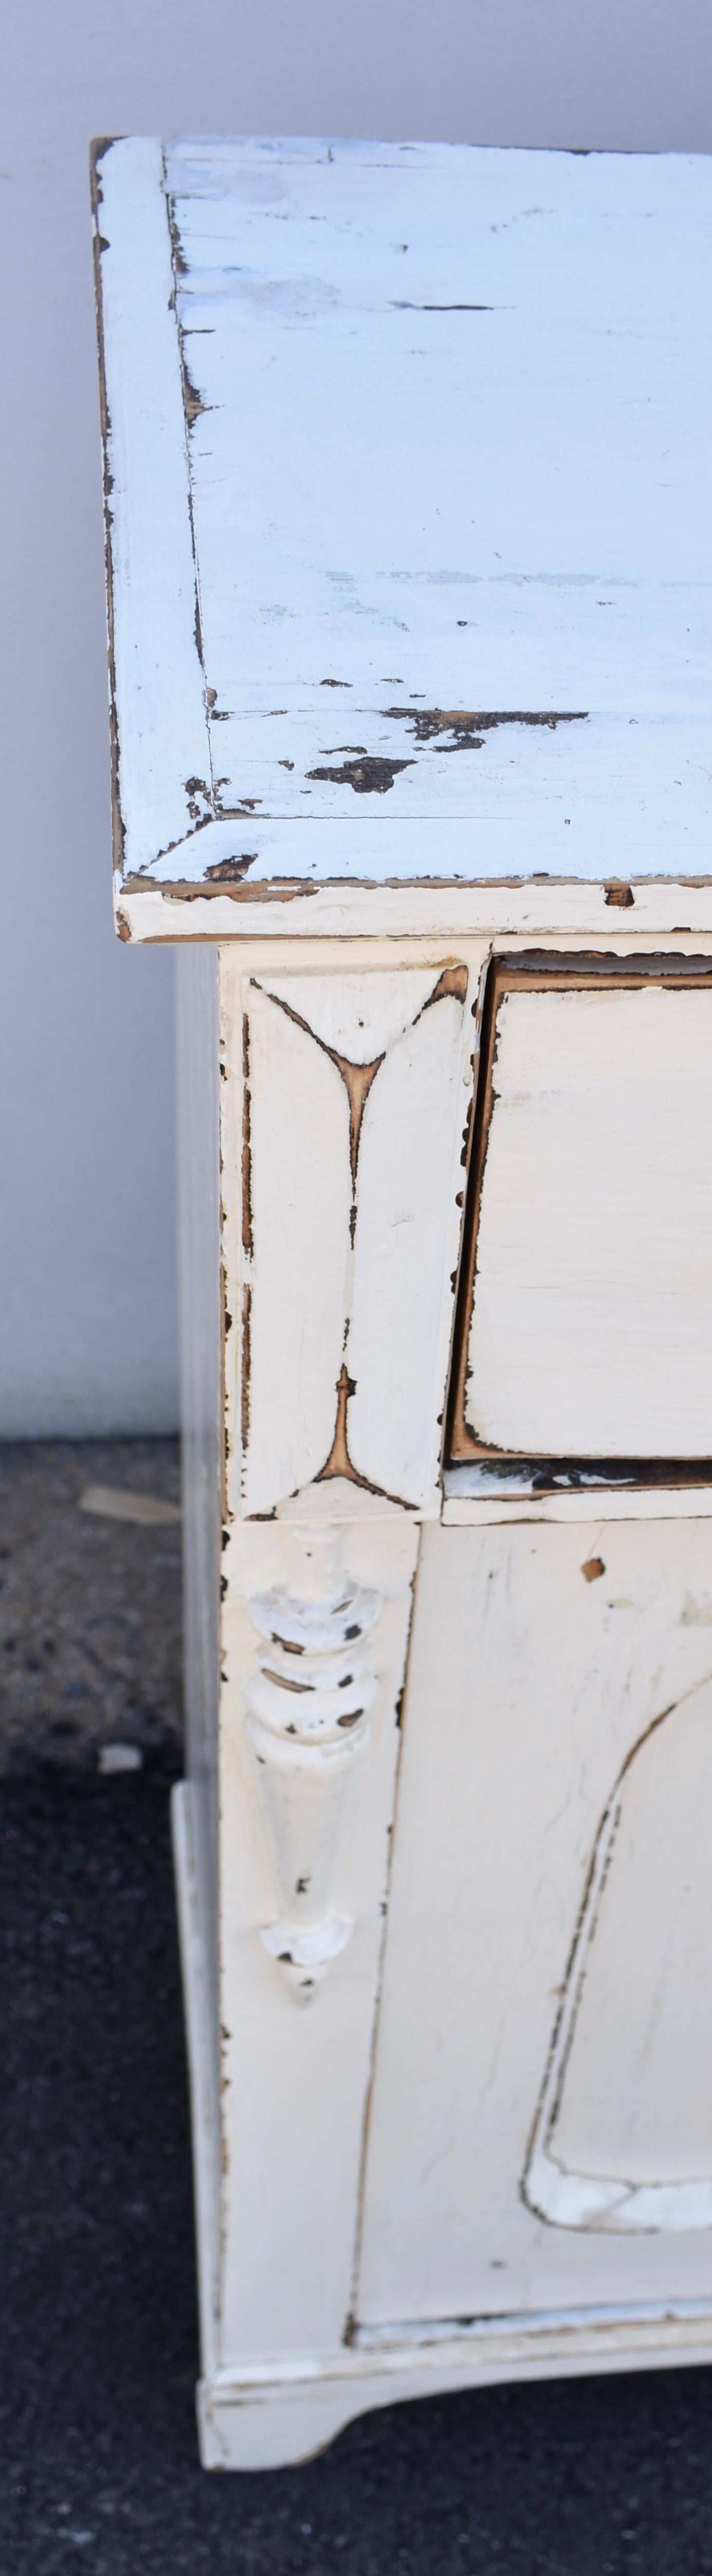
(642, 1439)
(554, 786)
(230, 871)
(308, 1758)
(597, 2200)
(367, 774)
(335, 1422)
(245, 1368)
(246, 1225)
(469, 729)
(338, 1462)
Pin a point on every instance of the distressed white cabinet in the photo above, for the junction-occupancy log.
(444, 948)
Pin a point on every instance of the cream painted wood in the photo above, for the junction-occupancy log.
(450, 913)
(269, 2419)
(624, 2136)
(198, 1076)
(309, 1725)
(295, 2081)
(343, 1110)
(442, 1854)
(405, 1250)
(595, 1227)
(281, 2410)
(561, 1646)
(542, 613)
(292, 1326)
(196, 1925)
(463, 1509)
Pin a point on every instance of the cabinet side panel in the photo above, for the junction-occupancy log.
(199, 1272)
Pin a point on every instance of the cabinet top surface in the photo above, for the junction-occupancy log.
(409, 536)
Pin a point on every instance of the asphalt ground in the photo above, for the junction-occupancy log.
(98, 2352)
(90, 1614)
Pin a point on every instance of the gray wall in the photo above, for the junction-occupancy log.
(87, 1329)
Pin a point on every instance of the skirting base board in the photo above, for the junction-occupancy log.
(272, 2414)
(262, 2420)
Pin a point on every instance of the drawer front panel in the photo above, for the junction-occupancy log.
(586, 1328)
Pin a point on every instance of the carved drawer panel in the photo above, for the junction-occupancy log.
(341, 1145)
(585, 1325)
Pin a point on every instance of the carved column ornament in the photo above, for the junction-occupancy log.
(308, 1725)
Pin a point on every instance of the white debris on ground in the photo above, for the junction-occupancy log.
(120, 1757)
(116, 1503)
(90, 1610)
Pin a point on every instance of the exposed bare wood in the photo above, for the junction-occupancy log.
(373, 1060)
(338, 1462)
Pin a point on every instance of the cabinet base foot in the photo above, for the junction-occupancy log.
(261, 2419)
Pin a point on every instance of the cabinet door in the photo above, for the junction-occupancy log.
(541, 2124)
(585, 1325)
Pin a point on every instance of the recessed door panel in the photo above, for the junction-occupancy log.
(554, 1727)
(624, 2133)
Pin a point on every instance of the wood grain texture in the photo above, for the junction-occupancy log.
(412, 439)
(590, 1329)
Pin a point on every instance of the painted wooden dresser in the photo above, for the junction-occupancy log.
(444, 952)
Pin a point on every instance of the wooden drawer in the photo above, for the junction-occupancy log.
(585, 1318)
